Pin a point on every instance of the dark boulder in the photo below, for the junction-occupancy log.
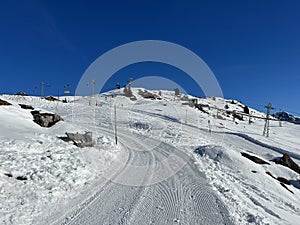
(3, 102)
(201, 108)
(246, 110)
(8, 174)
(148, 95)
(287, 161)
(81, 140)
(237, 116)
(254, 158)
(283, 180)
(177, 91)
(21, 178)
(45, 119)
(51, 98)
(23, 106)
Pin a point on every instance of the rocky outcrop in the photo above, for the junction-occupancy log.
(3, 102)
(45, 119)
(148, 95)
(254, 158)
(201, 108)
(51, 98)
(287, 161)
(283, 180)
(23, 106)
(8, 174)
(128, 94)
(21, 178)
(81, 140)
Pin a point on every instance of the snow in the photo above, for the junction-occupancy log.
(55, 170)
(128, 183)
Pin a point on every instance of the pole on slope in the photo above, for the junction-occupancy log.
(186, 116)
(279, 119)
(92, 91)
(267, 123)
(116, 136)
(209, 126)
(42, 88)
(250, 114)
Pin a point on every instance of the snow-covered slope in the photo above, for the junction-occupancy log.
(52, 170)
(61, 175)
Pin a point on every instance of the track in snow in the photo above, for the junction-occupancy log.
(184, 198)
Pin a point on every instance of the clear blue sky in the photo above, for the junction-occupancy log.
(253, 47)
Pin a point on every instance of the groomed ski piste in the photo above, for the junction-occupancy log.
(173, 164)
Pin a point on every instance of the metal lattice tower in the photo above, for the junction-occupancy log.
(267, 123)
(43, 85)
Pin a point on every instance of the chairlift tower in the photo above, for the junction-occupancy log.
(267, 123)
(93, 87)
(42, 88)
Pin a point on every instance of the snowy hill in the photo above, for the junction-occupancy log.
(44, 179)
(285, 116)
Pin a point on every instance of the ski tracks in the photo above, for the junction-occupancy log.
(184, 198)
